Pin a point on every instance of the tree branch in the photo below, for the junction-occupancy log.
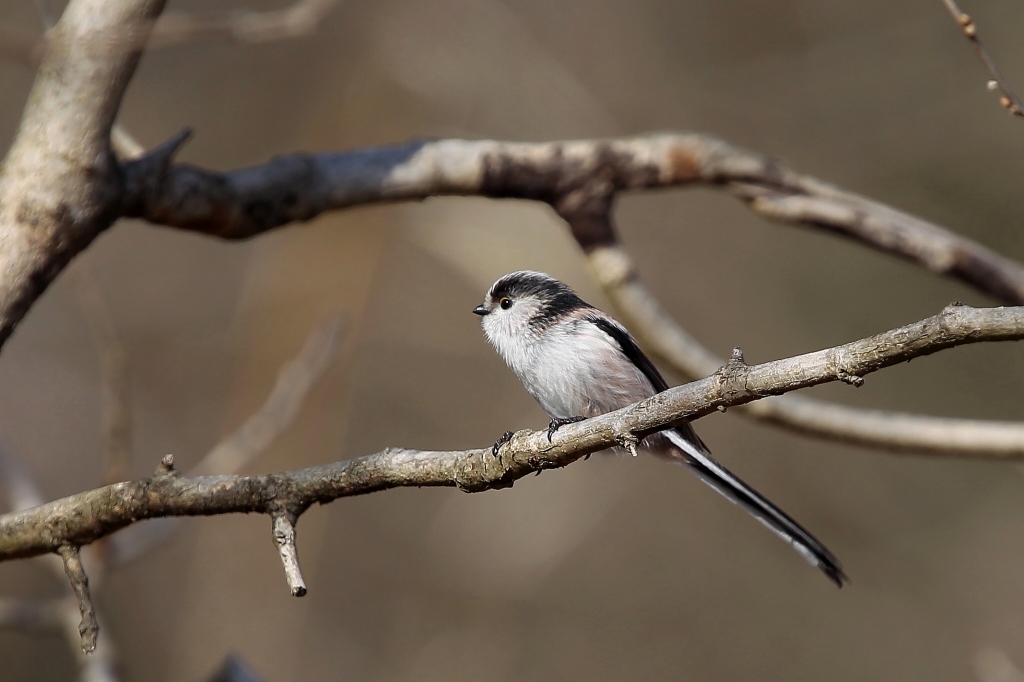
(894, 431)
(60, 185)
(298, 187)
(242, 26)
(1008, 99)
(241, 447)
(88, 628)
(83, 518)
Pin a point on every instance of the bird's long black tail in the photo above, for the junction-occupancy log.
(696, 457)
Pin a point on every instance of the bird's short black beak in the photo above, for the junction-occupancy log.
(480, 310)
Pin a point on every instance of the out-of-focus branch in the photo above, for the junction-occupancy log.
(281, 406)
(895, 431)
(251, 439)
(238, 26)
(298, 187)
(1008, 99)
(84, 518)
(242, 26)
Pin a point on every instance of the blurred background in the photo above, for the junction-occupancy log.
(612, 569)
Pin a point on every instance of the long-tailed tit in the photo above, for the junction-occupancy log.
(578, 362)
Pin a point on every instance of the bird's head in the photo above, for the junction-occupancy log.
(522, 305)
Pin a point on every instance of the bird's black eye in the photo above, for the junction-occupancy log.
(505, 302)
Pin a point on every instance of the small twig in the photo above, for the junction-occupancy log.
(88, 628)
(241, 447)
(284, 538)
(1008, 99)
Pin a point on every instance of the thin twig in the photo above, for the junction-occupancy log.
(1008, 99)
(284, 539)
(88, 628)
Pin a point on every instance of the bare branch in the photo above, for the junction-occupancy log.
(284, 538)
(1008, 99)
(86, 517)
(59, 184)
(88, 628)
(245, 26)
(896, 431)
(298, 187)
(294, 382)
(251, 439)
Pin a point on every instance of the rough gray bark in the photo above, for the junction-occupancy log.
(86, 517)
(298, 187)
(60, 185)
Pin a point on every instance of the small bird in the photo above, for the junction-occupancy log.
(578, 362)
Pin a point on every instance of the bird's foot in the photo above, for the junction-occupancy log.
(559, 423)
(505, 437)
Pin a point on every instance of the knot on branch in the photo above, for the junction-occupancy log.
(629, 441)
(851, 379)
(166, 465)
(732, 376)
(146, 176)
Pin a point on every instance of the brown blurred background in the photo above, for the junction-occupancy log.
(612, 569)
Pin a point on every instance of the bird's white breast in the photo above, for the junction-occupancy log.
(575, 369)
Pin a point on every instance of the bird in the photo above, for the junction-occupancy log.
(578, 362)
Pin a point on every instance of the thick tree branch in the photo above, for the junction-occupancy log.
(298, 187)
(83, 518)
(60, 185)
